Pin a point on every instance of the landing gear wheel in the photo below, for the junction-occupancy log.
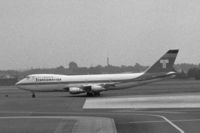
(89, 94)
(96, 93)
(33, 95)
(92, 94)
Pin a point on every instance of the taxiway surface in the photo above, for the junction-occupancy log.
(60, 112)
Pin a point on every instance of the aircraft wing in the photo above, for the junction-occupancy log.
(97, 87)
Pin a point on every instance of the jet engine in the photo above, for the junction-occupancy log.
(97, 88)
(75, 90)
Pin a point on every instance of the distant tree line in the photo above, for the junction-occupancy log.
(185, 71)
(74, 69)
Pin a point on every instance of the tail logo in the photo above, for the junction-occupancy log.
(164, 63)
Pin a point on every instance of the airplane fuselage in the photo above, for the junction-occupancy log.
(54, 82)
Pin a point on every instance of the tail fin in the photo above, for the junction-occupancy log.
(165, 63)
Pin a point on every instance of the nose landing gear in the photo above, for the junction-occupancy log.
(33, 95)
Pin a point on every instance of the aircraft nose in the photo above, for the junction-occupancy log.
(19, 84)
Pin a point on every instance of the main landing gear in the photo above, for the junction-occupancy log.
(92, 94)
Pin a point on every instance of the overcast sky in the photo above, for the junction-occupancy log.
(50, 33)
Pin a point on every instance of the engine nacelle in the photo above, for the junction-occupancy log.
(75, 90)
(97, 88)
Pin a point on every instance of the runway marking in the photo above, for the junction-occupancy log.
(183, 120)
(144, 102)
(171, 123)
(135, 111)
(167, 120)
(41, 117)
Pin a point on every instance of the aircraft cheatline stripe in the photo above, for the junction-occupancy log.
(71, 82)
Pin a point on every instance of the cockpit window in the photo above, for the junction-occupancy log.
(29, 77)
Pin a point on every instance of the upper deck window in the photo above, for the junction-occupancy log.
(30, 77)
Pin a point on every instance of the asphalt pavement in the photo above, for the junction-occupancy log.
(158, 110)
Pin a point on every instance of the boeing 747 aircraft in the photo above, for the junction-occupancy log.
(92, 85)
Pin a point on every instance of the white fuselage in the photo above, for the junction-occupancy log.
(54, 82)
